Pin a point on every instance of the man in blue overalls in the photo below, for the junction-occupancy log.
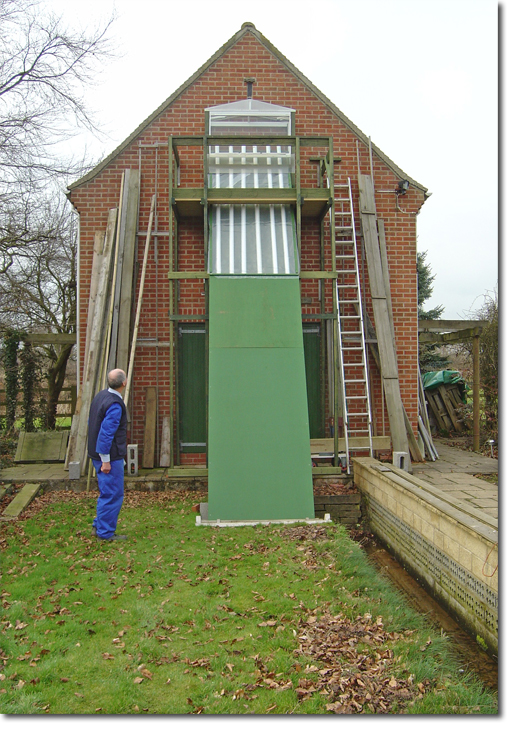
(107, 449)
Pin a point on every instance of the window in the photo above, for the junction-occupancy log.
(251, 239)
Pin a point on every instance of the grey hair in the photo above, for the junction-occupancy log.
(115, 378)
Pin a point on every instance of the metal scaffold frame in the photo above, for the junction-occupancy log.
(310, 202)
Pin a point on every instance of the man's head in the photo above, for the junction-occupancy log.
(116, 379)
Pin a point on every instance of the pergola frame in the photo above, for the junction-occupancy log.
(455, 332)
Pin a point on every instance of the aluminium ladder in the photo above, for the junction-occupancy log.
(354, 384)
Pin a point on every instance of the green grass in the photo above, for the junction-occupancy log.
(185, 619)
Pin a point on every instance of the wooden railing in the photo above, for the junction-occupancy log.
(65, 405)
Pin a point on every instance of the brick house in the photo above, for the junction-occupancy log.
(248, 79)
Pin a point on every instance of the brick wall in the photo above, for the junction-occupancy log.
(220, 83)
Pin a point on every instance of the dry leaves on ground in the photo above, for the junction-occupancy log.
(356, 674)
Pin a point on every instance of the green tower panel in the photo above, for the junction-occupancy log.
(258, 430)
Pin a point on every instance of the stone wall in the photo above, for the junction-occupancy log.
(452, 552)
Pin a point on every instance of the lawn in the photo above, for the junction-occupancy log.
(182, 619)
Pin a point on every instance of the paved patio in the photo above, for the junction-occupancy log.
(454, 474)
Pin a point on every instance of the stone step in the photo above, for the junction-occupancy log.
(20, 501)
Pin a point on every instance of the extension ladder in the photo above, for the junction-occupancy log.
(354, 384)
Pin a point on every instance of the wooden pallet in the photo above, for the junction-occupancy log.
(444, 403)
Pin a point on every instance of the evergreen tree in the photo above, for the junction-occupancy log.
(430, 359)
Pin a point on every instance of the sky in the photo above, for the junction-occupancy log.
(419, 78)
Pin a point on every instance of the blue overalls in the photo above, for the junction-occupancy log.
(111, 485)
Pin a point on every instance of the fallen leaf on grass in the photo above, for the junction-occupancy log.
(106, 655)
(422, 648)
(137, 681)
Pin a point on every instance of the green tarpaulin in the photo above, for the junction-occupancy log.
(432, 380)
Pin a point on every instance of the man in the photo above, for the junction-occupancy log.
(107, 449)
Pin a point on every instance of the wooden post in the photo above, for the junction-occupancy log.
(172, 288)
(165, 445)
(337, 366)
(124, 306)
(476, 391)
(382, 317)
(150, 426)
(139, 302)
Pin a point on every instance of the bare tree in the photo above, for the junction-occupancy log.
(38, 288)
(44, 69)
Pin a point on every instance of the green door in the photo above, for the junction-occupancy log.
(312, 347)
(192, 405)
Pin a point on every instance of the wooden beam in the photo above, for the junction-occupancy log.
(187, 472)
(139, 303)
(150, 426)
(21, 501)
(190, 202)
(173, 259)
(78, 435)
(382, 318)
(454, 337)
(317, 275)
(441, 326)
(476, 392)
(192, 140)
(165, 443)
(51, 338)
(127, 276)
(188, 275)
(325, 445)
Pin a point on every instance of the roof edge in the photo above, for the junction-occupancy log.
(338, 113)
(103, 163)
(245, 28)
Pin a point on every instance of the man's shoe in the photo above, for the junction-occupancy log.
(113, 538)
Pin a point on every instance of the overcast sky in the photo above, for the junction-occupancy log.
(419, 78)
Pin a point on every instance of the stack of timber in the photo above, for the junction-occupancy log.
(424, 423)
(403, 436)
(110, 306)
(445, 405)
